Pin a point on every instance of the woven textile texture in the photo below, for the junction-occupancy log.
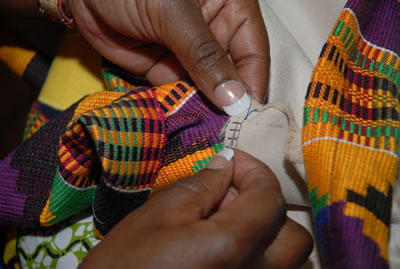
(351, 135)
(108, 152)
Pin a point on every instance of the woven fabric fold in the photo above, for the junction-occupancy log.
(351, 135)
(109, 151)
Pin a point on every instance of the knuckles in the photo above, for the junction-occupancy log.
(194, 190)
(206, 54)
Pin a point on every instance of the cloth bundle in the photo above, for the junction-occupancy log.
(108, 151)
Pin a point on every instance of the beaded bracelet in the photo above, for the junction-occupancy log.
(56, 10)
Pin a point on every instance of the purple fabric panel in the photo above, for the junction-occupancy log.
(11, 202)
(379, 21)
(196, 121)
(356, 249)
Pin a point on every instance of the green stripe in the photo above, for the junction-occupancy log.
(372, 65)
(369, 128)
(351, 49)
(339, 28)
(67, 201)
(198, 165)
(334, 119)
(343, 125)
(357, 62)
(378, 131)
(317, 204)
(325, 117)
(306, 115)
(364, 62)
(346, 33)
(388, 130)
(349, 41)
(397, 133)
(390, 72)
(352, 127)
(381, 68)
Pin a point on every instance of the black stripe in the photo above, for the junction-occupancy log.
(332, 53)
(326, 93)
(169, 101)
(182, 88)
(375, 201)
(323, 50)
(163, 108)
(335, 96)
(176, 95)
(308, 90)
(317, 90)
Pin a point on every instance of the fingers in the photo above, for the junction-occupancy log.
(290, 248)
(254, 217)
(180, 26)
(240, 29)
(192, 199)
(200, 53)
(249, 50)
(168, 69)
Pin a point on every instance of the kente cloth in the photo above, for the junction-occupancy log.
(108, 151)
(351, 135)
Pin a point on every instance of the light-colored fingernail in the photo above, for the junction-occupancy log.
(233, 97)
(221, 159)
(229, 197)
(234, 191)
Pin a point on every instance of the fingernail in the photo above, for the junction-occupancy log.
(233, 97)
(234, 191)
(221, 159)
(229, 197)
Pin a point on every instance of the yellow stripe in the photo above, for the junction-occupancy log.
(16, 58)
(180, 169)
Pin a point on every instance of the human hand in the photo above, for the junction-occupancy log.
(156, 38)
(174, 229)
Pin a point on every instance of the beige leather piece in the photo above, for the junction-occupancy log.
(271, 135)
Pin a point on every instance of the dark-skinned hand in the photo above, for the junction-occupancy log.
(214, 41)
(185, 226)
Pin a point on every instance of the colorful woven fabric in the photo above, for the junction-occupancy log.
(108, 152)
(351, 135)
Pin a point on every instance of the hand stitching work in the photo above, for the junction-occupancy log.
(233, 127)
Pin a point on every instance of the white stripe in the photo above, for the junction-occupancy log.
(182, 103)
(369, 43)
(351, 143)
(126, 191)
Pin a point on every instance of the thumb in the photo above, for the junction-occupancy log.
(194, 198)
(202, 56)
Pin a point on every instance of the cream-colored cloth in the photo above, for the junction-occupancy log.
(297, 31)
